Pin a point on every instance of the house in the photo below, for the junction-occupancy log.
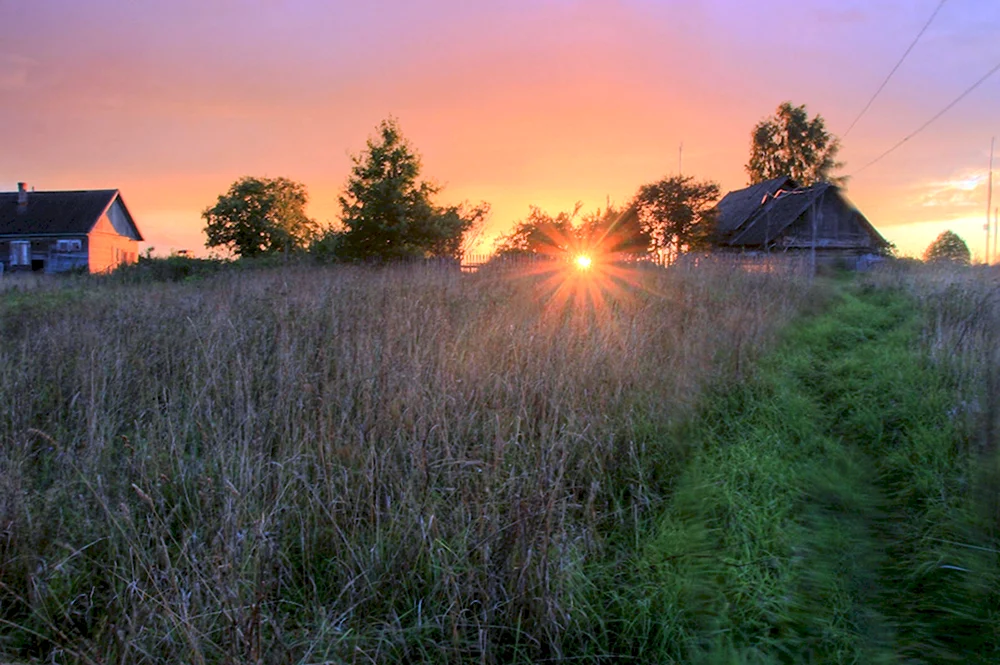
(779, 216)
(89, 230)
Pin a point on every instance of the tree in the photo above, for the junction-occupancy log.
(790, 144)
(613, 231)
(949, 247)
(677, 214)
(540, 233)
(260, 216)
(388, 212)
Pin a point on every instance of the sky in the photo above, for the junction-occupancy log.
(514, 102)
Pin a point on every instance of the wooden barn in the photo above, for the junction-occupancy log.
(89, 230)
(779, 216)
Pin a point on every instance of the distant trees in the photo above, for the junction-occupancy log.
(260, 216)
(604, 231)
(948, 247)
(789, 143)
(665, 218)
(613, 231)
(677, 214)
(388, 213)
(540, 233)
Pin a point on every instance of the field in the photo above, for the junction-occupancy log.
(349, 464)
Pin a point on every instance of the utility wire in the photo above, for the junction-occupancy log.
(906, 53)
(938, 115)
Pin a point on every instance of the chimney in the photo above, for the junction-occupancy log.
(22, 195)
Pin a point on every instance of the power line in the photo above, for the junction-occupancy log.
(938, 115)
(906, 53)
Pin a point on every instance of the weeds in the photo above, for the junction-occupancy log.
(409, 464)
(346, 465)
(829, 513)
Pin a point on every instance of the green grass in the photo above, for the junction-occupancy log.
(412, 465)
(827, 517)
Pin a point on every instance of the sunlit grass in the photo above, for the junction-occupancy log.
(348, 464)
(518, 465)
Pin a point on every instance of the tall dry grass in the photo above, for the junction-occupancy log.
(961, 332)
(345, 464)
(962, 335)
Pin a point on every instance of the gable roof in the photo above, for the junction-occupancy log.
(55, 213)
(778, 214)
(738, 206)
(775, 215)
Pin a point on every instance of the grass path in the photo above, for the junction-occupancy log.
(828, 515)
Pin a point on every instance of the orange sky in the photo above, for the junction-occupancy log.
(547, 102)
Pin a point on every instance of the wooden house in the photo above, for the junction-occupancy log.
(89, 230)
(779, 216)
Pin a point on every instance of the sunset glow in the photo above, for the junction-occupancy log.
(546, 103)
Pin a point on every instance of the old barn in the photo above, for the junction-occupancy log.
(779, 216)
(88, 230)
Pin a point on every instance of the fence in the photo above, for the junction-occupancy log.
(473, 262)
(780, 264)
(785, 264)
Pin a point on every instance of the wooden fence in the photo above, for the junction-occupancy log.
(473, 262)
(788, 264)
(780, 264)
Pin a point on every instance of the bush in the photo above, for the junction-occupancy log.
(174, 268)
(948, 247)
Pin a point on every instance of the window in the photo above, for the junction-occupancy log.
(74, 245)
(20, 252)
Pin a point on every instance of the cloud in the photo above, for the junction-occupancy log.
(964, 190)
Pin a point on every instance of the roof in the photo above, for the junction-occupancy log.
(775, 215)
(53, 213)
(738, 206)
(779, 213)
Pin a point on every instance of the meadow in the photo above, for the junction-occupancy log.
(349, 464)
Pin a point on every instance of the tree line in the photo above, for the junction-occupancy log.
(388, 212)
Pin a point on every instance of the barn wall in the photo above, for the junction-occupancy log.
(108, 249)
(39, 249)
(44, 255)
(837, 227)
(66, 261)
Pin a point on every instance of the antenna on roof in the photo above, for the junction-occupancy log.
(989, 205)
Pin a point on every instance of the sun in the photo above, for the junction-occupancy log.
(583, 262)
